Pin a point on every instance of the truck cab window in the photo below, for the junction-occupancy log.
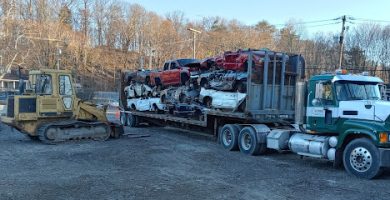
(44, 84)
(324, 92)
(347, 91)
(65, 85)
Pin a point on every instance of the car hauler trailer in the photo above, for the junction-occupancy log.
(335, 116)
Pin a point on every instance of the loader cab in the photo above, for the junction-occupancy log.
(54, 91)
(335, 98)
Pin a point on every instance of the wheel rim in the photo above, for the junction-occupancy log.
(227, 137)
(246, 141)
(360, 159)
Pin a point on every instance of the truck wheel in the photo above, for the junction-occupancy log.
(248, 144)
(132, 120)
(229, 137)
(361, 158)
(123, 118)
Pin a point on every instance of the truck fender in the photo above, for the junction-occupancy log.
(355, 133)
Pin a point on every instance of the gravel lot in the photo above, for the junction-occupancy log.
(163, 163)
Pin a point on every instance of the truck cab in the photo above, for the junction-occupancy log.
(351, 108)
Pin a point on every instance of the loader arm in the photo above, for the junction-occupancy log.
(89, 112)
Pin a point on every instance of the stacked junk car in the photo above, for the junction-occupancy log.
(260, 100)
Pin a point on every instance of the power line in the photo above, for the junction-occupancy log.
(311, 22)
(368, 20)
(322, 25)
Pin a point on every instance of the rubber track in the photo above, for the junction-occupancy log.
(66, 123)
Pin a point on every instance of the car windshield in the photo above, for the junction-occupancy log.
(183, 62)
(346, 91)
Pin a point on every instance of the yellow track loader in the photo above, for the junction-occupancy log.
(49, 110)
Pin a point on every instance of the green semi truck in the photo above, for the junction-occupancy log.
(334, 116)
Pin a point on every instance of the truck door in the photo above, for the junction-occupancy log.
(323, 110)
(164, 75)
(66, 94)
(174, 74)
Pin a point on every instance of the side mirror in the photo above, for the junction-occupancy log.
(316, 102)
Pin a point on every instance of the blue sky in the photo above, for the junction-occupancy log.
(275, 12)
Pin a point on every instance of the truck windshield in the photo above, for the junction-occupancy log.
(347, 91)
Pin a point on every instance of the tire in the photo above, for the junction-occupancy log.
(132, 120)
(361, 158)
(247, 142)
(229, 137)
(123, 119)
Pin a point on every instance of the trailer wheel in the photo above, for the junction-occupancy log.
(123, 118)
(248, 144)
(361, 158)
(229, 137)
(132, 120)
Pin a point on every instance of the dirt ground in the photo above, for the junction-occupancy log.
(163, 163)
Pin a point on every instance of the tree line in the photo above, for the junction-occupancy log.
(97, 38)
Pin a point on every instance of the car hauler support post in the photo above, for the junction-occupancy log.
(265, 79)
(249, 82)
(273, 82)
(282, 81)
(299, 69)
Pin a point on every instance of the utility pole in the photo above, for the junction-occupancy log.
(341, 41)
(193, 40)
(59, 52)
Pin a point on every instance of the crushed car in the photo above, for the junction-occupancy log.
(222, 100)
(176, 72)
(145, 104)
